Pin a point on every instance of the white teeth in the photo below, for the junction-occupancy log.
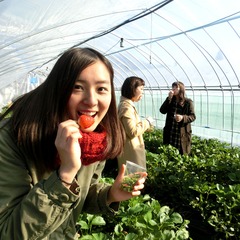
(88, 113)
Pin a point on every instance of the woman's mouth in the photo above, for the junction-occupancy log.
(91, 114)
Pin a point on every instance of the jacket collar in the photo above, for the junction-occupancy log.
(123, 99)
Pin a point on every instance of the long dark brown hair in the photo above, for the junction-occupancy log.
(37, 114)
(181, 94)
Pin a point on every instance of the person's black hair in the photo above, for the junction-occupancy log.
(129, 86)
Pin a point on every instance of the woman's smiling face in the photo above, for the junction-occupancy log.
(91, 95)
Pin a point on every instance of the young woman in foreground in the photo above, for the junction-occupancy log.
(50, 166)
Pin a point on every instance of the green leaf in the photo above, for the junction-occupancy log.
(165, 209)
(90, 217)
(182, 234)
(118, 229)
(141, 225)
(148, 216)
(131, 236)
(86, 237)
(135, 209)
(152, 222)
(99, 236)
(176, 218)
(83, 225)
(98, 221)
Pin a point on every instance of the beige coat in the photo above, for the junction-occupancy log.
(134, 148)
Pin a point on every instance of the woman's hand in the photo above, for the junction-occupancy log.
(170, 94)
(117, 194)
(69, 150)
(178, 117)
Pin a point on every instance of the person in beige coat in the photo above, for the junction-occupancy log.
(134, 148)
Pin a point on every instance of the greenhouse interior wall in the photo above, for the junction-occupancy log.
(217, 113)
(196, 42)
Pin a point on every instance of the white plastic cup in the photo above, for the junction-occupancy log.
(132, 174)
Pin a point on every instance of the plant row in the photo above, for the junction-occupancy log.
(203, 187)
(185, 197)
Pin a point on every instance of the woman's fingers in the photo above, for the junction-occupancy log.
(67, 144)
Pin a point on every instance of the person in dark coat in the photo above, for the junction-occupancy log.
(180, 113)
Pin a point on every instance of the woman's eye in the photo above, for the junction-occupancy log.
(78, 87)
(102, 89)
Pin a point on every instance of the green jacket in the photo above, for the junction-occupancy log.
(40, 207)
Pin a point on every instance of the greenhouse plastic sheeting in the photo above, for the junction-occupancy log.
(196, 42)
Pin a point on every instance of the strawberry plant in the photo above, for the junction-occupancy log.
(202, 187)
(139, 217)
(220, 207)
(144, 217)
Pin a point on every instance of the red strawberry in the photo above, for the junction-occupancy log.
(85, 121)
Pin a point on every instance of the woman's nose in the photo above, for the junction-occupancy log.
(90, 98)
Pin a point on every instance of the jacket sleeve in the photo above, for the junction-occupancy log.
(131, 123)
(189, 116)
(165, 106)
(29, 211)
(96, 201)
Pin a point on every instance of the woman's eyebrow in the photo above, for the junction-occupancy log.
(98, 81)
(79, 80)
